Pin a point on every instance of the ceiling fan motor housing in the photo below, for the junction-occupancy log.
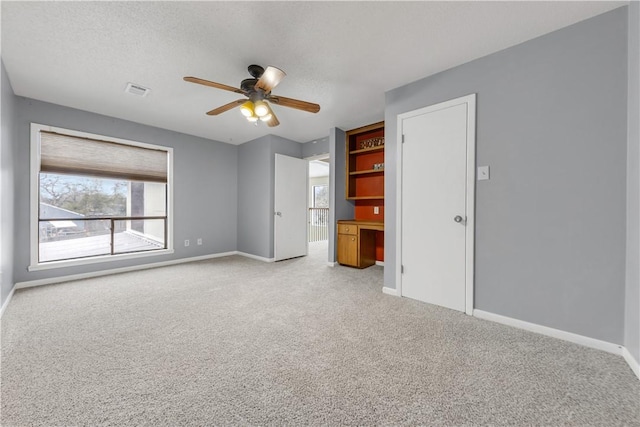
(256, 71)
(248, 85)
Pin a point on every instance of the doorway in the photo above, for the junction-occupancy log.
(318, 202)
(436, 202)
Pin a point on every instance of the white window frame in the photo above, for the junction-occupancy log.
(34, 195)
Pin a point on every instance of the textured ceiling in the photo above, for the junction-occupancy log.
(341, 55)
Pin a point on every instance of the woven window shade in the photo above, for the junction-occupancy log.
(83, 156)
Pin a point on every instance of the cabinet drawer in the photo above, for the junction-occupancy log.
(347, 229)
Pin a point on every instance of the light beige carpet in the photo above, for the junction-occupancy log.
(234, 341)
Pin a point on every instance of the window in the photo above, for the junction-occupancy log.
(320, 196)
(96, 198)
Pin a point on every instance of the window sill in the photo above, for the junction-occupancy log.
(96, 260)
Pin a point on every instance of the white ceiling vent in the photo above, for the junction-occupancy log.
(136, 89)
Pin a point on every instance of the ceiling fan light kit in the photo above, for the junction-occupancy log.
(247, 109)
(258, 90)
(260, 107)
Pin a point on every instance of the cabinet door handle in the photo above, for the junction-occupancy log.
(347, 229)
(353, 239)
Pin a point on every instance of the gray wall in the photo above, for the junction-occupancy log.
(7, 193)
(632, 295)
(254, 213)
(550, 224)
(205, 185)
(339, 206)
(315, 147)
(256, 180)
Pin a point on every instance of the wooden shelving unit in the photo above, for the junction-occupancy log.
(361, 239)
(363, 181)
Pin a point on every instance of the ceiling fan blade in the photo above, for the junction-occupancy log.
(294, 103)
(226, 107)
(213, 84)
(270, 79)
(273, 121)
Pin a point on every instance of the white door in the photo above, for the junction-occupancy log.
(290, 202)
(436, 209)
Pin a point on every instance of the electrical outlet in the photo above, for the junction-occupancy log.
(376, 210)
(200, 241)
(186, 243)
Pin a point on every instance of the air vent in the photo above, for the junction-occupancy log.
(136, 89)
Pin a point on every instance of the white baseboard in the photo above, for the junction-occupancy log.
(331, 264)
(6, 302)
(52, 280)
(551, 332)
(380, 263)
(633, 363)
(390, 291)
(259, 258)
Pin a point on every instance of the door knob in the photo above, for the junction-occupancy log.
(457, 218)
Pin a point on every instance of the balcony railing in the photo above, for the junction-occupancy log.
(81, 237)
(318, 224)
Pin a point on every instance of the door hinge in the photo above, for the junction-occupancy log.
(403, 138)
(402, 269)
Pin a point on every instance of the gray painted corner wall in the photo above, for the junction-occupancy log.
(254, 213)
(550, 224)
(7, 193)
(632, 291)
(315, 147)
(205, 185)
(256, 180)
(339, 206)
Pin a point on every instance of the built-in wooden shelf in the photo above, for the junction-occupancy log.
(363, 181)
(366, 198)
(365, 150)
(365, 191)
(368, 171)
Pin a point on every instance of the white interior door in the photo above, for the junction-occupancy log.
(435, 208)
(290, 202)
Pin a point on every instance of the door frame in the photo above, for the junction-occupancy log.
(470, 101)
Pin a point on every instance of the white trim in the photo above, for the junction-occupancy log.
(6, 302)
(470, 100)
(317, 157)
(259, 258)
(390, 291)
(551, 332)
(36, 128)
(331, 264)
(52, 280)
(97, 259)
(633, 363)
(380, 263)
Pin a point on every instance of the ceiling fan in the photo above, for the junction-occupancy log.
(258, 90)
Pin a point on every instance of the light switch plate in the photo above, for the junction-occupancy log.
(376, 210)
(483, 173)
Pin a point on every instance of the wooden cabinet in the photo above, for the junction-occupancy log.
(365, 163)
(357, 242)
(348, 249)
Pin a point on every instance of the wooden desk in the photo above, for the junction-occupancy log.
(357, 242)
